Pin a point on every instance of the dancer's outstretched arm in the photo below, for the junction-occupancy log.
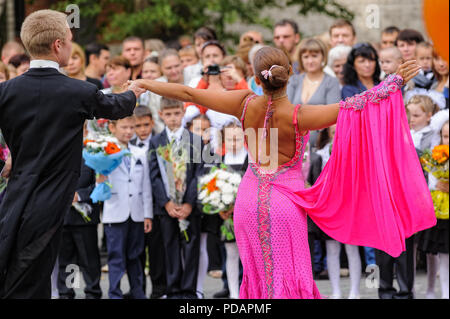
(316, 117)
(229, 102)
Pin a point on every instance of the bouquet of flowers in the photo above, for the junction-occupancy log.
(217, 193)
(173, 158)
(103, 155)
(4, 152)
(436, 163)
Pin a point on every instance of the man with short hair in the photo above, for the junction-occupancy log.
(97, 57)
(134, 50)
(342, 32)
(388, 37)
(45, 139)
(286, 36)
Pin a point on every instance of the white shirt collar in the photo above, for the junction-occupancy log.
(238, 158)
(177, 134)
(417, 135)
(44, 64)
(146, 141)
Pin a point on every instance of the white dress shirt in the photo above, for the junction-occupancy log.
(235, 159)
(44, 64)
(177, 134)
(146, 142)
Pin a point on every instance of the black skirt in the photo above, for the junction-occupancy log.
(435, 239)
(314, 229)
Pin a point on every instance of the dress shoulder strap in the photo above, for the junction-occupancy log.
(251, 97)
(295, 117)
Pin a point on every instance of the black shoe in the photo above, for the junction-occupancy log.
(157, 294)
(323, 275)
(224, 293)
(127, 296)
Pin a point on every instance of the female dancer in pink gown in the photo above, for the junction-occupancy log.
(371, 192)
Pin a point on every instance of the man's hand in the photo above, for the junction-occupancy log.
(7, 168)
(442, 186)
(147, 225)
(186, 210)
(136, 88)
(227, 214)
(172, 209)
(76, 198)
(101, 178)
(408, 70)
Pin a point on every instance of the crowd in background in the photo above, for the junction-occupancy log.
(326, 68)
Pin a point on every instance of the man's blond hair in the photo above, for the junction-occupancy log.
(41, 28)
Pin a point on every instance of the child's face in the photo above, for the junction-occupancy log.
(234, 139)
(389, 63)
(123, 129)
(151, 71)
(444, 134)
(201, 128)
(424, 57)
(188, 59)
(172, 117)
(418, 119)
(143, 127)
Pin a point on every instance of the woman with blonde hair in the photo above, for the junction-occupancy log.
(77, 66)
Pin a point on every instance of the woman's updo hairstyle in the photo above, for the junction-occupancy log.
(277, 65)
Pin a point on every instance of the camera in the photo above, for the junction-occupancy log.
(212, 70)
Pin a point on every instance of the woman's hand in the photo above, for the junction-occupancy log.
(408, 70)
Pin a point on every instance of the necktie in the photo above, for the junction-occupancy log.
(141, 144)
(127, 162)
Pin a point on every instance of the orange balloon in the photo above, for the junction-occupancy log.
(435, 13)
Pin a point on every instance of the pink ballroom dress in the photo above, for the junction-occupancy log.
(372, 193)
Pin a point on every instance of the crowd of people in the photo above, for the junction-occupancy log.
(141, 234)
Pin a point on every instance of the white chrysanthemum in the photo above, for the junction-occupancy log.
(93, 145)
(227, 189)
(222, 175)
(214, 196)
(215, 202)
(220, 184)
(235, 179)
(222, 207)
(202, 194)
(227, 199)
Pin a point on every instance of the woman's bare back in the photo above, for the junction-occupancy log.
(283, 148)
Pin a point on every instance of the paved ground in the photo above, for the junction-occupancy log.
(213, 285)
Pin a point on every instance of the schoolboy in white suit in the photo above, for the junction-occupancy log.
(127, 214)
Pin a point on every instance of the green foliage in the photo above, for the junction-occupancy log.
(168, 19)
